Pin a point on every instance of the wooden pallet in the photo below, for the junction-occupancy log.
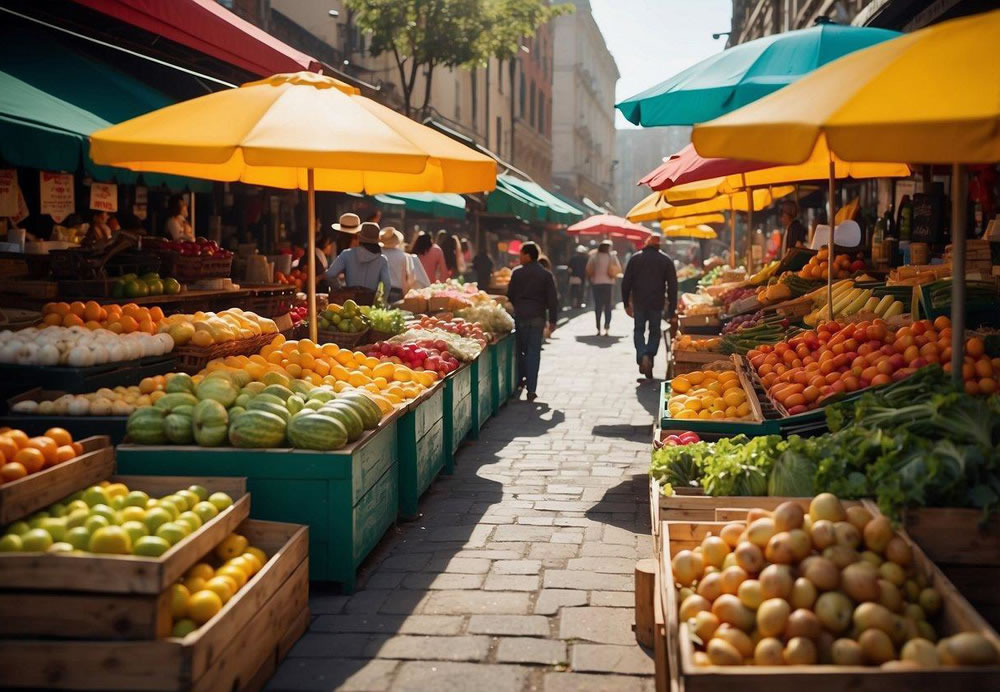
(957, 615)
(238, 649)
(130, 574)
(20, 498)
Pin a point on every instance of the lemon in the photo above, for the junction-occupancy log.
(136, 498)
(194, 584)
(132, 513)
(111, 540)
(202, 570)
(743, 409)
(718, 415)
(220, 500)
(203, 605)
(135, 530)
(78, 537)
(238, 575)
(151, 546)
(172, 533)
(222, 587)
(252, 559)
(183, 628)
(179, 596)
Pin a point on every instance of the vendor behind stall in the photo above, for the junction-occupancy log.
(178, 227)
(363, 266)
(795, 233)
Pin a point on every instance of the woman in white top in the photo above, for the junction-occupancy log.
(178, 227)
(603, 269)
(399, 266)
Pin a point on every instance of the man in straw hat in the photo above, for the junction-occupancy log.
(363, 266)
(346, 231)
(649, 291)
(391, 241)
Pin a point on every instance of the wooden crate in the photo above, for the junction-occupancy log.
(130, 574)
(236, 650)
(689, 361)
(20, 498)
(957, 615)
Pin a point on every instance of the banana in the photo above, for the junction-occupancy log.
(884, 304)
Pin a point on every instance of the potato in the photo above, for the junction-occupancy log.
(834, 611)
(788, 516)
(841, 555)
(732, 577)
(803, 593)
(930, 601)
(822, 534)
(729, 609)
(826, 506)
(847, 652)
(859, 517)
(802, 623)
(750, 594)
(876, 647)
(877, 533)
(822, 573)
(890, 596)
(714, 550)
(860, 581)
(899, 551)
(892, 572)
(776, 582)
(846, 534)
(873, 616)
(722, 653)
(779, 549)
(750, 557)
(967, 649)
(731, 533)
(800, 543)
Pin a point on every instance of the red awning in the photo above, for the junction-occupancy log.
(210, 28)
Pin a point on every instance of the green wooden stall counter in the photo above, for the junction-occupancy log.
(421, 448)
(501, 379)
(482, 396)
(457, 412)
(348, 498)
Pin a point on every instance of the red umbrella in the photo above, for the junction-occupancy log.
(608, 224)
(687, 166)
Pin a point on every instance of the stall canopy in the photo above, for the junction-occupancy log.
(440, 205)
(606, 224)
(655, 207)
(529, 201)
(208, 27)
(698, 231)
(687, 166)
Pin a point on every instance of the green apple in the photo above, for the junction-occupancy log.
(101, 510)
(151, 546)
(95, 495)
(200, 491)
(157, 517)
(18, 528)
(78, 537)
(36, 541)
(206, 511)
(118, 502)
(35, 520)
(58, 510)
(136, 498)
(55, 526)
(95, 522)
(11, 543)
(221, 501)
(172, 532)
(75, 505)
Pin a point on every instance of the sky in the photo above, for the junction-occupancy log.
(652, 40)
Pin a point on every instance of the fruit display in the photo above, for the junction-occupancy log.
(685, 342)
(78, 347)
(500, 278)
(296, 277)
(819, 265)
(765, 273)
(708, 395)
(208, 585)
(420, 356)
(457, 325)
(849, 300)
(463, 348)
(451, 295)
(226, 407)
(347, 318)
(493, 316)
(831, 586)
(743, 321)
(150, 284)
(120, 319)
(21, 455)
(385, 320)
(199, 247)
(722, 274)
(206, 329)
(298, 313)
(106, 401)
(108, 518)
(734, 295)
(685, 438)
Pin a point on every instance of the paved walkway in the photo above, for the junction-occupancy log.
(519, 574)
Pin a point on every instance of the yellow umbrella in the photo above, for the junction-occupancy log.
(301, 130)
(656, 208)
(947, 78)
(699, 231)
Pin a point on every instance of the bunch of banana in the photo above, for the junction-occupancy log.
(764, 274)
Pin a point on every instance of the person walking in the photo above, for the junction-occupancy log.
(399, 264)
(532, 292)
(363, 266)
(431, 257)
(650, 281)
(577, 276)
(483, 266)
(602, 270)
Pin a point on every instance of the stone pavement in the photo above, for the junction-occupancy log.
(518, 576)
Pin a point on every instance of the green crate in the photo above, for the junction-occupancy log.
(457, 412)
(482, 399)
(348, 498)
(421, 449)
(513, 366)
(502, 381)
(751, 429)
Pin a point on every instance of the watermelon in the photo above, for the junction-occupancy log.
(257, 429)
(242, 400)
(178, 429)
(209, 421)
(369, 411)
(278, 390)
(321, 394)
(146, 426)
(220, 389)
(235, 411)
(347, 415)
(180, 382)
(185, 410)
(313, 405)
(168, 402)
(277, 409)
(270, 398)
(316, 431)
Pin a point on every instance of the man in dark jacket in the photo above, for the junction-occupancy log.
(532, 292)
(577, 276)
(649, 277)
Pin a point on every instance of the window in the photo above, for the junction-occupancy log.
(541, 114)
(524, 95)
(499, 136)
(531, 110)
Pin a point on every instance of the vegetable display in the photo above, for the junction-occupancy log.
(494, 318)
(385, 320)
(463, 348)
(78, 347)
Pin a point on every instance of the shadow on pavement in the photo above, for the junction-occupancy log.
(599, 341)
(647, 393)
(625, 505)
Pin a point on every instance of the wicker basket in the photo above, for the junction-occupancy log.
(270, 301)
(192, 359)
(342, 339)
(194, 267)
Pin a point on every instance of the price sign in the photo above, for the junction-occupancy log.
(57, 194)
(104, 197)
(9, 191)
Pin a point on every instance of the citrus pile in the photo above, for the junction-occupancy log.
(21, 455)
(205, 589)
(120, 319)
(111, 519)
(708, 395)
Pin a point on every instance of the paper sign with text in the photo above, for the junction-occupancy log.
(8, 192)
(58, 199)
(104, 197)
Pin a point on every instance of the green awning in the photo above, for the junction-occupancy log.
(435, 204)
(512, 201)
(550, 207)
(52, 98)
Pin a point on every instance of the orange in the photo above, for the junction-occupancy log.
(156, 313)
(128, 324)
(235, 572)
(115, 327)
(60, 309)
(72, 320)
(8, 448)
(222, 588)
(975, 347)
(47, 446)
(32, 459)
(92, 311)
(203, 605)
(64, 453)
(132, 310)
(203, 570)
(146, 325)
(77, 447)
(179, 596)
(52, 320)
(19, 437)
(92, 324)
(147, 385)
(77, 308)
(12, 471)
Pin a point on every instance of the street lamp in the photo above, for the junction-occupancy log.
(720, 34)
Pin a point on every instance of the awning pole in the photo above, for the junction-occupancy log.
(311, 284)
(957, 273)
(732, 234)
(829, 243)
(750, 232)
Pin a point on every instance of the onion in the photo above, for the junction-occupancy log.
(78, 407)
(48, 355)
(25, 407)
(80, 357)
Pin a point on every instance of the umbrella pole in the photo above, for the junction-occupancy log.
(311, 284)
(957, 274)
(829, 242)
(732, 234)
(750, 232)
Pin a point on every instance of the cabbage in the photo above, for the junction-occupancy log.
(792, 476)
(490, 315)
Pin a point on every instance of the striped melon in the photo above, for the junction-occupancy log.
(316, 431)
(257, 429)
(277, 409)
(347, 415)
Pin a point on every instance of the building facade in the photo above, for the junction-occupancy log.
(583, 123)
(638, 151)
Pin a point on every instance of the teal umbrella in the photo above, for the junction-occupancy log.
(744, 73)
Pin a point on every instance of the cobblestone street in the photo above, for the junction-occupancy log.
(518, 576)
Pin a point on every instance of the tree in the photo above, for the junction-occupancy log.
(421, 35)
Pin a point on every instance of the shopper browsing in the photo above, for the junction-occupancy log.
(602, 270)
(363, 266)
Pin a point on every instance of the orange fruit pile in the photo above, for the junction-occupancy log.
(120, 319)
(21, 455)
